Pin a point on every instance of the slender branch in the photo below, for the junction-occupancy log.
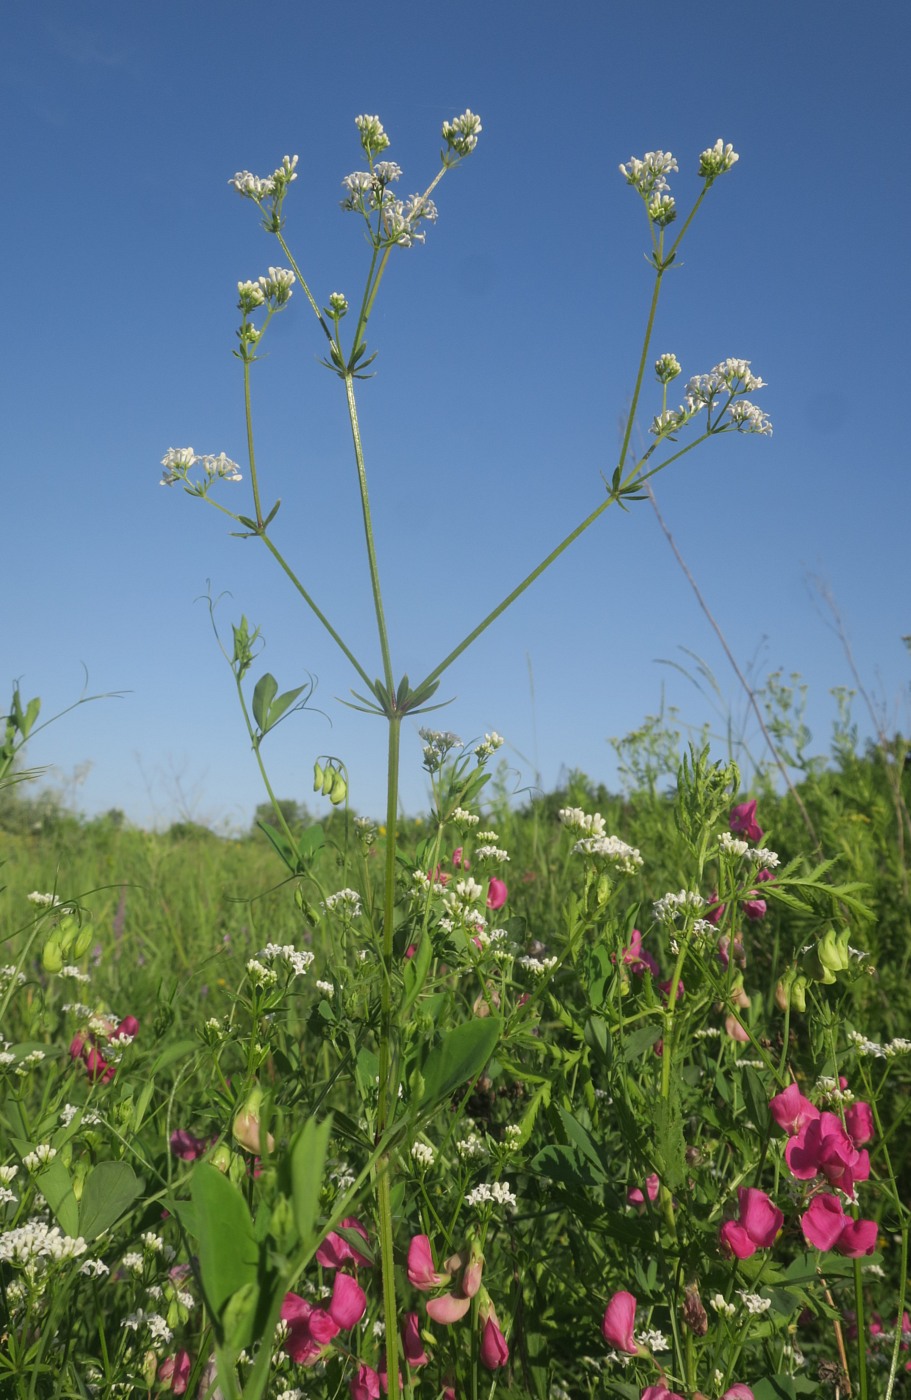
(283, 564)
(751, 695)
(368, 534)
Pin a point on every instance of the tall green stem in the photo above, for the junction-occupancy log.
(386, 1088)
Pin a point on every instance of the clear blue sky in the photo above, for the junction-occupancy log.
(507, 353)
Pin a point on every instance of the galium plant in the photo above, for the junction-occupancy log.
(421, 1142)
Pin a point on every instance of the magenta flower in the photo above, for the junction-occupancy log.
(412, 1345)
(757, 1226)
(823, 1147)
(310, 1330)
(823, 1221)
(859, 1123)
(619, 1320)
(174, 1372)
(128, 1026)
(636, 957)
(791, 1110)
(494, 1351)
(459, 860)
(187, 1147)
(365, 1385)
(335, 1251)
(497, 893)
(421, 1271)
(716, 914)
(660, 1392)
(858, 1237)
(635, 1196)
(743, 819)
(754, 908)
(738, 1392)
(349, 1302)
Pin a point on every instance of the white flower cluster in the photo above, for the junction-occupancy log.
(43, 901)
(327, 989)
(158, 1328)
(626, 858)
(732, 845)
(261, 975)
(667, 367)
(727, 381)
(461, 134)
(37, 1240)
(669, 906)
(865, 1046)
(423, 1154)
(345, 902)
(753, 1302)
(368, 193)
(373, 136)
(648, 176)
(497, 1193)
(10, 973)
(262, 187)
(491, 853)
(298, 962)
(716, 160)
(763, 857)
(40, 1157)
(721, 1306)
(653, 1340)
(438, 744)
(471, 1147)
(488, 836)
(574, 819)
(538, 967)
(462, 817)
(178, 461)
(488, 745)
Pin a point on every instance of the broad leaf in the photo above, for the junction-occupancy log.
(228, 1255)
(461, 1055)
(308, 1156)
(109, 1191)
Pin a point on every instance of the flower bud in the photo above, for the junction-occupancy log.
(317, 778)
(338, 789)
(246, 1129)
(52, 955)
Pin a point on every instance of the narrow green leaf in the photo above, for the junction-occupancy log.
(110, 1189)
(414, 973)
(283, 702)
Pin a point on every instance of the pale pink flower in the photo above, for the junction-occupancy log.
(421, 1271)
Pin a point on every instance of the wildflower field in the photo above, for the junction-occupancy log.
(571, 1095)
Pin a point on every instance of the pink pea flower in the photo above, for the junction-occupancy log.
(186, 1146)
(365, 1385)
(421, 1271)
(447, 1308)
(637, 958)
(335, 1251)
(310, 1330)
(757, 1226)
(823, 1147)
(754, 908)
(636, 1197)
(494, 1351)
(174, 1372)
(348, 1303)
(619, 1320)
(857, 1238)
(715, 915)
(791, 1110)
(412, 1345)
(738, 1392)
(128, 1026)
(660, 1392)
(459, 860)
(743, 819)
(859, 1123)
(823, 1221)
(497, 893)
(735, 1029)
